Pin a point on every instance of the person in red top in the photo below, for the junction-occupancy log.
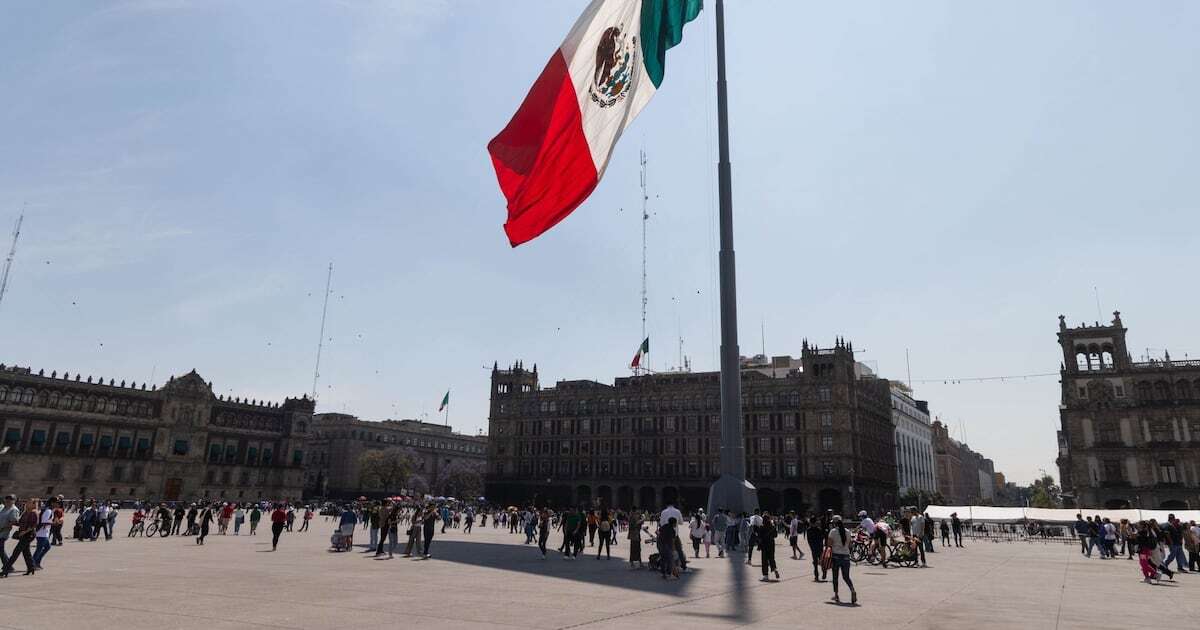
(278, 522)
(225, 517)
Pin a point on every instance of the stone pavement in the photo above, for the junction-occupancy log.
(489, 579)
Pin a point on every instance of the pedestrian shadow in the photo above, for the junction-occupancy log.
(586, 568)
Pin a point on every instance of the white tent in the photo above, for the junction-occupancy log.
(991, 514)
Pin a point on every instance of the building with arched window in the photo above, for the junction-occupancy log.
(1129, 432)
(84, 437)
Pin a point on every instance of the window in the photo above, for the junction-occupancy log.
(143, 447)
(38, 439)
(792, 470)
(789, 421)
(230, 453)
(181, 447)
(823, 394)
(826, 419)
(252, 455)
(12, 437)
(267, 457)
(826, 442)
(764, 445)
(63, 439)
(297, 458)
(1082, 392)
(1109, 434)
(828, 469)
(214, 453)
(789, 445)
(1167, 472)
(85, 441)
(106, 442)
(1120, 391)
(1112, 470)
(764, 469)
(764, 422)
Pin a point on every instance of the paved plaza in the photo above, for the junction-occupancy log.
(488, 579)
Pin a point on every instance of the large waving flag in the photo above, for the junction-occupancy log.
(552, 153)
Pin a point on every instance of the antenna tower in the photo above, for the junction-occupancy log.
(321, 339)
(12, 253)
(645, 217)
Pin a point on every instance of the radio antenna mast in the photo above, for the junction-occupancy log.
(321, 339)
(12, 253)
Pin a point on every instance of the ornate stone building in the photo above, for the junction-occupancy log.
(818, 435)
(964, 477)
(339, 440)
(69, 435)
(1130, 431)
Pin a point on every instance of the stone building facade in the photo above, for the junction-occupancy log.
(1129, 432)
(915, 468)
(339, 440)
(81, 437)
(964, 477)
(818, 435)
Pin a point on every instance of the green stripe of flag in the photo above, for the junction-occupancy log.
(662, 29)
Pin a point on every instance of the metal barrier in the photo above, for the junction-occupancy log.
(1033, 532)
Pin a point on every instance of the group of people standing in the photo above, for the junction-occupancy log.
(35, 524)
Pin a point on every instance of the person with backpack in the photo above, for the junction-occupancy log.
(697, 531)
(815, 534)
(837, 543)
(604, 526)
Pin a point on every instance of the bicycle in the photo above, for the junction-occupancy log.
(904, 553)
(162, 529)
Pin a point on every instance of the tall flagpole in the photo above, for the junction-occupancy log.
(731, 491)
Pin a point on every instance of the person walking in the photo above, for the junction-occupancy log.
(27, 526)
(203, 521)
(543, 531)
(178, 520)
(667, 539)
(42, 536)
(697, 530)
(388, 525)
(278, 523)
(794, 526)
(308, 515)
(752, 526)
(9, 515)
(765, 535)
(815, 534)
(604, 527)
(837, 543)
(291, 516)
(239, 517)
(416, 527)
(720, 524)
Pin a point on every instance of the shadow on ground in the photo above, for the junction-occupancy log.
(527, 559)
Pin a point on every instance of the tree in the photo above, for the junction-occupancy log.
(417, 485)
(1043, 493)
(385, 469)
(921, 498)
(461, 480)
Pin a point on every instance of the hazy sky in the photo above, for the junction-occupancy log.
(946, 177)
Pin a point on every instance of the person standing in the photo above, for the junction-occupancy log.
(543, 530)
(752, 526)
(203, 521)
(373, 516)
(178, 520)
(26, 530)
(1174, 542)
(278, 523)
(837, 542)
(387, 516)
(9, 515)
(697, 530)
(431, 517)
(917, 524)
(470, 521)
(101, 522)
(945, 533)
(667, 540)
(635, 538)
(592, 523)
(308, 514)
(416, 528)
(720, 523)
(765, 535)
(239, 517)
(793, 527)
(604, 528)
(956, 527)
(56, 525)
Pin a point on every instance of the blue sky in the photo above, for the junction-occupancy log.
(944, 177)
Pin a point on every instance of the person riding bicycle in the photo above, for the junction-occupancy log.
(878, 533)
(137, 525)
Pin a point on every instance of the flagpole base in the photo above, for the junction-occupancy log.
(733, 494)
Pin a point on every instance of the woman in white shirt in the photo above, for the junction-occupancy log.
(698, 530)
(838, 543)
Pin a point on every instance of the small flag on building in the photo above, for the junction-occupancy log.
(445, 401)
(643, 350)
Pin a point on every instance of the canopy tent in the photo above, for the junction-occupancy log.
(990, 514)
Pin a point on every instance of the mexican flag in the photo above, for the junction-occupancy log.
(555, 149)
(643, 350)
(445, 401)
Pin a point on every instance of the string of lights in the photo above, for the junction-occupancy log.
(981, 379)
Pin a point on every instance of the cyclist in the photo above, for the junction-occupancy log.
(138, 526)
(878, 534)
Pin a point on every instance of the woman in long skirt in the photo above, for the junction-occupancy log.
(635, 539)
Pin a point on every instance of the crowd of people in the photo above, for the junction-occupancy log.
(1156, 545)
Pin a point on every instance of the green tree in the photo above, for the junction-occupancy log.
(1044, 493)
(921, 498)
(461, 480)
(386, 469)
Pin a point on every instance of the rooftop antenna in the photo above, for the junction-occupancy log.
(1096, 290)
(645, 218)
(12, 253)
(908, 368)
(321, 339)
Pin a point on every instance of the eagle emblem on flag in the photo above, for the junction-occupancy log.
(616, 60)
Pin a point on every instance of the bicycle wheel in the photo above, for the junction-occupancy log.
(164, 531)
(151, 529)
(872, 556)
(857, 553)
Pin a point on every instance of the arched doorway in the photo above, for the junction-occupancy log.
(583, 496)
(646, 498)
(830, 499)
(605, 494)
(692, 498)
(625, 497)
(1117, 504)
(768, 499)
(1173, 504)
(793, 499)
(670, 496)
